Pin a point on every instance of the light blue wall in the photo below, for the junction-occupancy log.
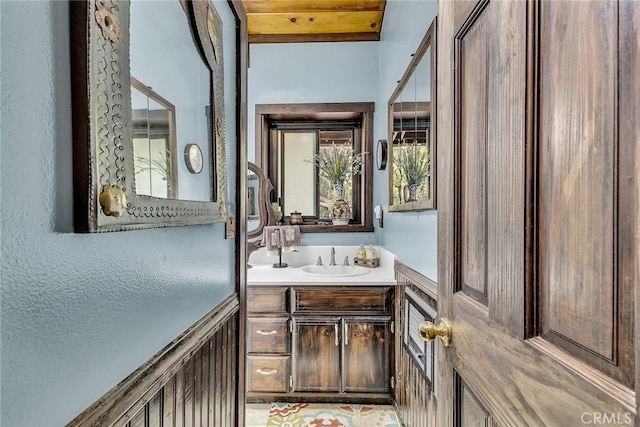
(80, 312)
(308, 73)
(412, 236)
(354, 72)
(150, 47)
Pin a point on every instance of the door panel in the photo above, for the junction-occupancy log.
(491, 157)
(579, 191)
(469, 410)
(473, 71)
(538, 230)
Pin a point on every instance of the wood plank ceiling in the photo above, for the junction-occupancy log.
(304, 21)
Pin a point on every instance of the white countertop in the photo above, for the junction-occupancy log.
(262, 271)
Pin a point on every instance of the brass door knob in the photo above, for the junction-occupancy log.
(428, 331)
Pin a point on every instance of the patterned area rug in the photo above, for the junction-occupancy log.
(327, 415)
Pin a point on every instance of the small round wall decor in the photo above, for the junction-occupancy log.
(193, 158)
(381, 154)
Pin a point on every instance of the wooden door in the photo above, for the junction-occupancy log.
(316, 358)
(365, 343)
(538, 218)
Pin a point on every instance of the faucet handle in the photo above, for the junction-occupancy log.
(319, 262)
(346, 260)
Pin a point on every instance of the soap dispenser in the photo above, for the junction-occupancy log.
(370, 253)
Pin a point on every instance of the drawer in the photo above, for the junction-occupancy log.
(267, 374)
(332, 299)
(267, 300)
(268, 335)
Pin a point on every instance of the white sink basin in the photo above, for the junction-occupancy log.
(334, 270)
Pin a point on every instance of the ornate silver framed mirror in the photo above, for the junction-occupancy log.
(114, 150)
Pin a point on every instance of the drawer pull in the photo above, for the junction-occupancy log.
(259, 332)
(337, 340)
(271, 372)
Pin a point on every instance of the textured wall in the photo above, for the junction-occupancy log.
(81, 312)
(353, 72)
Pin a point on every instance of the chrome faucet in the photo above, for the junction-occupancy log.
(333, 256)
(319, 262)
(346, 260)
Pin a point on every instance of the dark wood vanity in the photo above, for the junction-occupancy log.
(320, 343)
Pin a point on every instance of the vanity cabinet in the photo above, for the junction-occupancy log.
(348, 354)
(339, 345)
(268, 340)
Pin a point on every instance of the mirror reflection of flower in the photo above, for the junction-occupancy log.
(337, 162)
(160, 164)
(277, 211)
(413, 163)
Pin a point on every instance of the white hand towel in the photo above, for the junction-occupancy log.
(290, 238)
(271, 239)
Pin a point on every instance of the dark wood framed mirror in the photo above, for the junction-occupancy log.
(412, 132)
(259, 211)
(111, 42)
(287, 138)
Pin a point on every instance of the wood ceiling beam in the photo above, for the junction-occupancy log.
(288, 6)
(314, 23)
(300, 21)
(312, 38)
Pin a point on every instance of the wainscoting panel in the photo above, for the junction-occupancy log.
(415, 401)
(191, 382)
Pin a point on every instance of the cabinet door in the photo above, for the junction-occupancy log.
(366, 354)
(316, 354)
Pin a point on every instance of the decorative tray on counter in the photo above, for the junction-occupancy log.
(367, 262)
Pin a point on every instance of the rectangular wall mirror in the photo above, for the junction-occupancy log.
(288, 136)
(412, 132)
(148, 114)
(155, 156)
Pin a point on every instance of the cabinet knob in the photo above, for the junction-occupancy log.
(429, 331)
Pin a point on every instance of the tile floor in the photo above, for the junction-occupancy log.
(257, 415)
